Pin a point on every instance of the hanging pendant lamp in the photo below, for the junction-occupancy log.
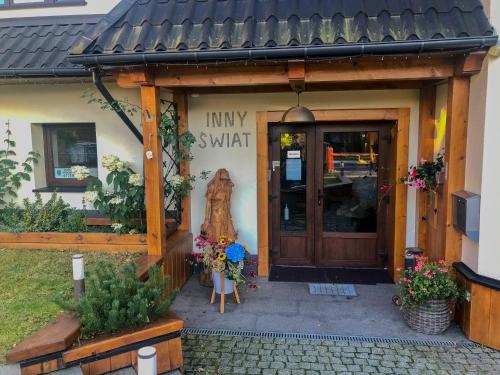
(298, 114)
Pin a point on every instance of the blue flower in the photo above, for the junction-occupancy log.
(235, 252)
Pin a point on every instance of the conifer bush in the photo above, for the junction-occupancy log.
(116, 300)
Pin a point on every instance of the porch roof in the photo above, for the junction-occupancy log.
(156, 31)
(38, 46)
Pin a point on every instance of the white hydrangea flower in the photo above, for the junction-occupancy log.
(112, 163)
(116, 200)
(80, 172)
(177, 180)
(135, 180)
(90, 196)
(116, 226)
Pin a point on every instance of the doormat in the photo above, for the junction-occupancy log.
(367, 276)
(342, 290)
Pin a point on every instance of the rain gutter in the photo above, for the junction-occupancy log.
(42, 73)
(337, 50)
(96, 78)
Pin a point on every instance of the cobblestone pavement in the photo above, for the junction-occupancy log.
(272, 356)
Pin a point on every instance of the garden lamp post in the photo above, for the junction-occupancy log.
(146, 361)
(78, 276)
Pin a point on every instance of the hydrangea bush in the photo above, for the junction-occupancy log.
(428, 281)
(121, 198)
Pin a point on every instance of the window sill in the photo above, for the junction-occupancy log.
(61, 189)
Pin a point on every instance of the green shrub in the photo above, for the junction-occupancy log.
(13, 173)
(36, 216)
(75, 222)
(39, 217)
(115, 300)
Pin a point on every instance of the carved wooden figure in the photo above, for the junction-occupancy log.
(218, 221)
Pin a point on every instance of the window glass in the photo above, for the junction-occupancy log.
(70, 145)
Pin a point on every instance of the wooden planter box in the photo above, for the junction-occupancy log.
(42, 353)
(75, 241)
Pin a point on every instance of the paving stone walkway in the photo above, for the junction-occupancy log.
(276, 356)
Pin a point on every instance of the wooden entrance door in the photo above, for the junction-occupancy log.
(327, 201)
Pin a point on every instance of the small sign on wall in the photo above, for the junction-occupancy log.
(66, 174)
(63, 173)
(293, 154)
(294, 169)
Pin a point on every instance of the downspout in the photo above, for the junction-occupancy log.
(96, 78)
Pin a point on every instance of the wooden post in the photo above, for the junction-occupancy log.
(425, 151)
(455, 153)
(182, 112)
(153, 170)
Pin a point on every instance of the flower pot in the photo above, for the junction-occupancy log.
(431, 318)
(228, 284)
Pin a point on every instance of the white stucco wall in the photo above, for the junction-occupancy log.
(474, 160)
(25, 106)
(92, 7)
(489, 248)
(241, 160)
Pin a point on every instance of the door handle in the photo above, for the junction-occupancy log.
(320, 196)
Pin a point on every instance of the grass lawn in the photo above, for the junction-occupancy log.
(28, 281)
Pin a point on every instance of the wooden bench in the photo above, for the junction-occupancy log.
(56, 336)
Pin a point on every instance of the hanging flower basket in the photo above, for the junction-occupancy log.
(427, 175)
(431, 318)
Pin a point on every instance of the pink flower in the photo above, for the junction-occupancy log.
(445, 270)
(423, 161)
(442, 261)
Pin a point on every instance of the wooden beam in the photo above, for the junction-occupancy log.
(135, 77)
(182, 111)
(232, 75)
(427, 120)
(380, 70)
(400, 193)
(470, 64)
(262, 194)
(297, 75)
(153, 170)
(455, 154)
(314, 73)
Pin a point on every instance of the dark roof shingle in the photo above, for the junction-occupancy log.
(39, 45)
(150, 26)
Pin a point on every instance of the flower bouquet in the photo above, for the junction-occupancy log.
(426, 293)
(225, 256)
(425, 176)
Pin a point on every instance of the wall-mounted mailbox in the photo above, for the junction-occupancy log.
(466, 213)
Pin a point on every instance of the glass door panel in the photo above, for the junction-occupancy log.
(350, 181)
(293, 182)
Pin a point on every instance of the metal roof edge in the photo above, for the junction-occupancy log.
(338, 50)
(44, 73)
(51, 20)
(107, 21)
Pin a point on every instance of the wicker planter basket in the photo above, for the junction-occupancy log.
(431, 318)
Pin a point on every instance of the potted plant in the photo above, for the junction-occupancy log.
(427, 175)
(426, 293)
(225, 256)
